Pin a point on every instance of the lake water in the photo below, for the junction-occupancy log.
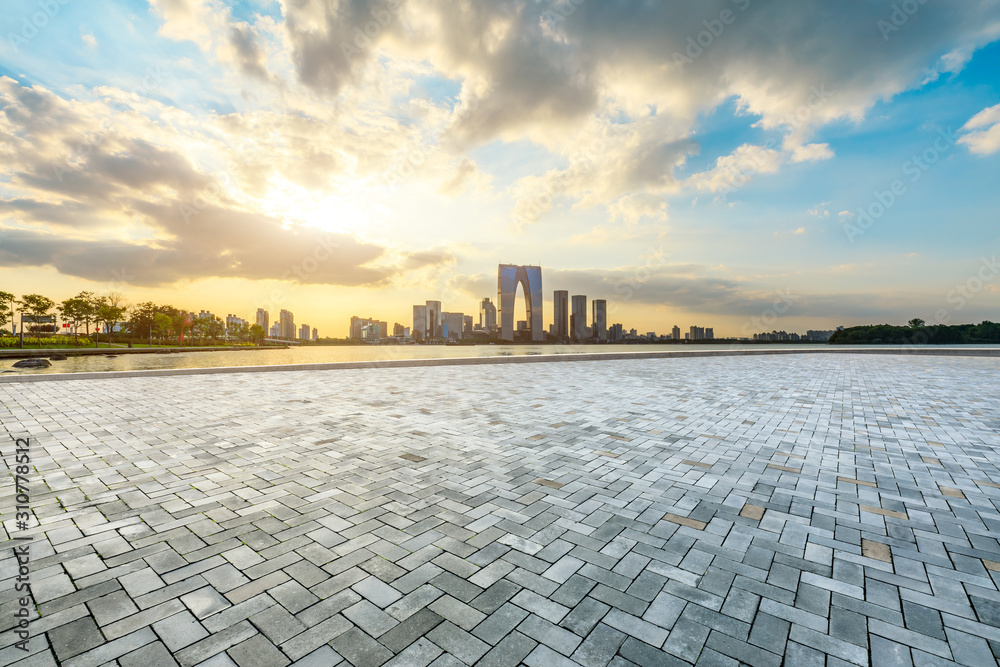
(329, 354)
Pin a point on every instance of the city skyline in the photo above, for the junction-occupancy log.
(660, 156)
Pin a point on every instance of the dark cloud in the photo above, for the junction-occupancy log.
(250, 58)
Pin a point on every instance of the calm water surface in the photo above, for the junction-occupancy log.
(314, 355)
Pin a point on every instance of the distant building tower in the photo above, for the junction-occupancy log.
(560, 309)
(315, 333)
(467, 324)
(456, 324)
(275, 331)
(398, 330)
(709, 334)
(432, 325)
(676, 333)
(697, 333)
(287, 325)
(615, 331)
(305, 332)
(419, 321)
(487, 315)
(263, 319)
(509, 276)
(578, 323)
(599, 319)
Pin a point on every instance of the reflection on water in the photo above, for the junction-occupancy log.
(319, 355)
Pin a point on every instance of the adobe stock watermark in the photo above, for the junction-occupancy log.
(34, 23)
(697, 44)
(152, 79)
(627, 287)
(913, 169)
(740, 173)
(25, 608)
(529, 211)
(898, 17)
(382, 17)
(965, 292)
(561, 11)
(770, 315)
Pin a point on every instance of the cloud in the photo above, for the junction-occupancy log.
(983, 131)
(89, 40)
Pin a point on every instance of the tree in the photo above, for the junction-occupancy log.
(140, 321)
(916, 323)
(90, 311)
(75, 310)
(257, 333)
(37, 306)
(161, 324)
(7, 303)
(109, 312)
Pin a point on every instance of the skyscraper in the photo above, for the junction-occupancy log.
(263, 319)
(432, 325)
(456, 324)
(287, 325)
(676, 333)
(487, 314)
(579, 317)
(560, 310)
(419, 321)
(599, 319)
(304, 332)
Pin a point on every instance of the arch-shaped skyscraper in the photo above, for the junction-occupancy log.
(530, 279)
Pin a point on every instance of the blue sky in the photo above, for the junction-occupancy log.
(448, 141)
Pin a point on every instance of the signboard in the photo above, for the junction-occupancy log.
(39, 319)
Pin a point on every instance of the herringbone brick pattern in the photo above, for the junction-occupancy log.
(801, 510)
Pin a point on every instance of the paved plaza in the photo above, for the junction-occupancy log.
(803, 510)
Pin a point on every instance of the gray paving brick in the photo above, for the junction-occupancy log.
(360, 649)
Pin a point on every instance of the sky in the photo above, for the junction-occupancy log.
(747, 165)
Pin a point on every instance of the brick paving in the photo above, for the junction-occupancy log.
(800, 510)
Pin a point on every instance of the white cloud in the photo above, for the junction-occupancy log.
(983, 131)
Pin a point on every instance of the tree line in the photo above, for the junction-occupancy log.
(144, 321)
(917, 332)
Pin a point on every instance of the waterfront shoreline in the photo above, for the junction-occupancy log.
(473, 361)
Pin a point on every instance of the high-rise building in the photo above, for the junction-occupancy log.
(456, 324)
(709, 333)
(315, 333)
(599, 319)
(509, 276)
(697, 333)
(286, 325)
(275, 331)
(578, 321)
(397, 330)
(676, 333)
(467, 324)
(560, 310)
(432, 325)
(615, 331)
(304, 332)
(419, 321)
(487, 315)
(263, 319)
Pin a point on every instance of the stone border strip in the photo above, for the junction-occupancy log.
(474, 361)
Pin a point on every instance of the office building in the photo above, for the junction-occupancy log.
(419, 321)
(509, 276)
(615, 332)
(709, 333)
(467, 324)
(286, 325)
(487, 315)
(456, 324)
(275, 331)
(433, 321)
(675, 333)
(697, 333)
(599, 319)
(263, 319)
(398, 330)
(578, 317)
(560, 312)
(305, 332)
(315, 333)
